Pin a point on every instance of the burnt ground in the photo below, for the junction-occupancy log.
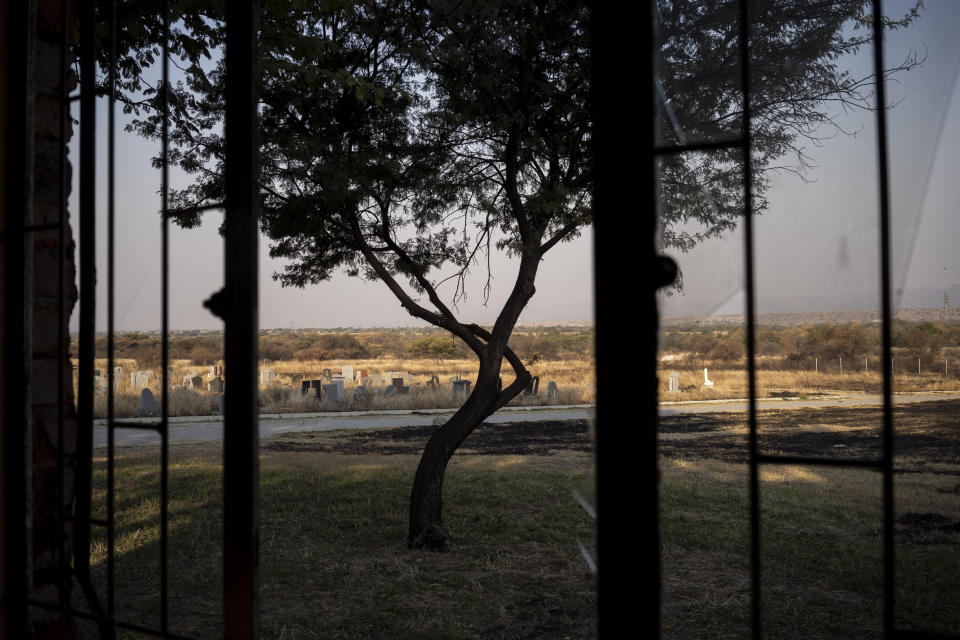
(927, 433)
(504, 438)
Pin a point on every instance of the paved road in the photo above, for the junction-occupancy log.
(206, 429)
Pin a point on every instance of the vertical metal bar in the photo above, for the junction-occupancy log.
(889, 570)
(749, 282)
(61, 301)
(87, 235)
(164, 294)
(241, 443)
(626, 553)
(111, 248)
(16, 52)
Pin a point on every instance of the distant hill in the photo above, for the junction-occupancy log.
(800, 318)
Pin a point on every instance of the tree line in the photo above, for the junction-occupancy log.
(532, 345)
(797, 347)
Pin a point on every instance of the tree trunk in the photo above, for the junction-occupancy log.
(426, 499)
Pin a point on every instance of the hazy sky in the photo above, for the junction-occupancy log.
(816, 245)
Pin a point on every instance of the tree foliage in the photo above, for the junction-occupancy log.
(799, 88)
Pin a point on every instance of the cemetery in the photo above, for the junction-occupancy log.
(333, 381)
(304, 371)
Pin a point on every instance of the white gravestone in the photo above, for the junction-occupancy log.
(707, 382)
(674, 382)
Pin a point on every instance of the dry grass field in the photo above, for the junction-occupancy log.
(732, 383)
(574, 378)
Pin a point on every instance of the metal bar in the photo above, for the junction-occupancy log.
(750, 295)
(88, 284)
(732, 143)
(625, 458)
(63, 188)
(889, 570)
(241, 518)
(821, 462)
(165, 299)
(111, 292)
(16, 51)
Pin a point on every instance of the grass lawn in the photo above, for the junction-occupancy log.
(821, 528)
(334, 561)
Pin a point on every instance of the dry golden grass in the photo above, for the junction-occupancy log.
(732, 383)
(574, 378)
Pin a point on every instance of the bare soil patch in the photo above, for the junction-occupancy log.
(926, 434)
(505, 438)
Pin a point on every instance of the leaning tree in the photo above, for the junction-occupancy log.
(404, 140)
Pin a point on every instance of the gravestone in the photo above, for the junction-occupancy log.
(266, 377)
(461, 388)
(99, 385)
(296, 378)
(96, 373)
(398, 383)
(215, 385)
(552, 389)
(390, 375)
(707, 382)
(347, 373)
(148, 405)
(533, 387)
(117, 372)
(363, 373)
(220, 404)
(188, 380)
(333, 393)
(326, 373)
(674, 382)
(366, 381)
(140, 379)
(361, 394)
(197, 383)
